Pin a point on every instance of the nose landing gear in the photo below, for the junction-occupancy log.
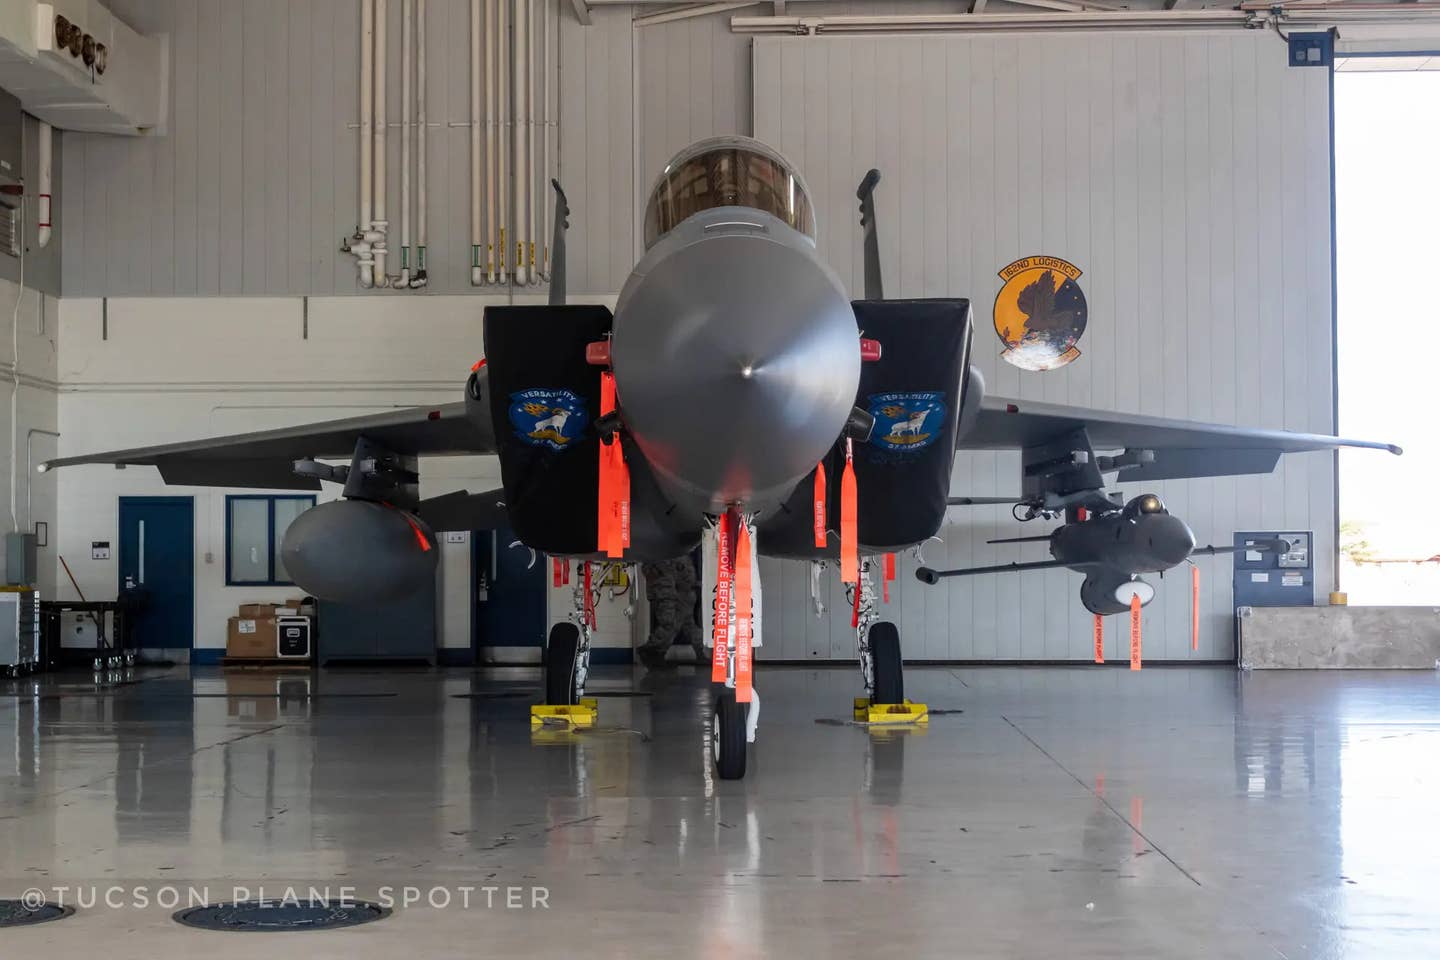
(728, 736)
(733, 579)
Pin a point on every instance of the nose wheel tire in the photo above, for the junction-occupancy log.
(727, 736)
(889, 669)
(561, 654)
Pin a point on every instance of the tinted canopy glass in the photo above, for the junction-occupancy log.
(727, 172)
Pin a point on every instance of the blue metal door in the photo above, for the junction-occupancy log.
(157, 559)
(509, 599)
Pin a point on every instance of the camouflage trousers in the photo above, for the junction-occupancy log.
(672, 621)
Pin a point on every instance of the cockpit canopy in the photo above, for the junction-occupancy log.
(1146, 503)
(727, 172)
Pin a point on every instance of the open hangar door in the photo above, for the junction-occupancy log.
(1386, 209)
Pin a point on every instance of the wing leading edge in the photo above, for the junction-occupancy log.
(1159, 448)
(265, 459)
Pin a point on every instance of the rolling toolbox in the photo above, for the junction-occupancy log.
(19, 630)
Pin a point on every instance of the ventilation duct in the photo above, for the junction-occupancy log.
(75, 65)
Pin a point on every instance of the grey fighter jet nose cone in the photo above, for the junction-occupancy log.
(736, 359)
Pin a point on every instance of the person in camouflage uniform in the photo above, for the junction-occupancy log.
(670, 587)
(689, 596)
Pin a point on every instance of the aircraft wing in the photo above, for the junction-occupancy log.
(1170, 449)
(264, 459)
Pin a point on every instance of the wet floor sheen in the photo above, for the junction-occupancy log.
(1086, 812)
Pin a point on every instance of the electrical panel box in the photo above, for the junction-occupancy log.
(1315, 49)
(11, 120)
(20, 565)
(1269, 579)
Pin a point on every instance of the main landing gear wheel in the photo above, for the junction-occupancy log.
(888, 667)
(561, 654)
(727, 736)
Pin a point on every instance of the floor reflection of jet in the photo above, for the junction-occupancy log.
(736, 396)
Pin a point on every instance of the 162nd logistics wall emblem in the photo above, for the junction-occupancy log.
(1040, 312)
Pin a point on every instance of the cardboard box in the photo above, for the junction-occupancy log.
(263, 709)
(253, 610)
(251, 637)
(251, 696)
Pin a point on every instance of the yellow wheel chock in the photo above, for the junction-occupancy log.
(890, 713)
(581, 714)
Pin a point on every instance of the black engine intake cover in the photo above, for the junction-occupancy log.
(914, 393)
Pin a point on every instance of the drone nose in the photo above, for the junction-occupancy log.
(1170, 539)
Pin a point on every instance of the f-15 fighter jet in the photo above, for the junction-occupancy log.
(736, 395)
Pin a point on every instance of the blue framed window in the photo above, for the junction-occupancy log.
(254, 526)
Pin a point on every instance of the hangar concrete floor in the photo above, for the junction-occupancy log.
(1085, 812)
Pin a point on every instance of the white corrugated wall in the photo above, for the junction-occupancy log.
(1188, 176)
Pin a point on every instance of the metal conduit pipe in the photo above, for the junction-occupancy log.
(381, 224)
(520, 139)
(419, 277)
(407, 40)
(502, 179)
(490, 140)
(477, 276)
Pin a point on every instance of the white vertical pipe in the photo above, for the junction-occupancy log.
(407, 40)
(543, 239)
(419, 274)
(367, 140)
(476, 273)
(502, 181)
(522, 140)
(490, 135)
(533, 187)
(381, 224)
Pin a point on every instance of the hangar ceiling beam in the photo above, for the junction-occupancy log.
(690, 12)
(1046, 20)
(582, 11)
(1060, 15)
(1066, 6)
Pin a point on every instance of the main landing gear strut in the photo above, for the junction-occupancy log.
(877, 642)
(881, 666)
(567, 651)
(566, 662)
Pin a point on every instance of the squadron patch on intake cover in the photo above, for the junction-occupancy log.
(1040, 313)
(548, 418)
(907, 421)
